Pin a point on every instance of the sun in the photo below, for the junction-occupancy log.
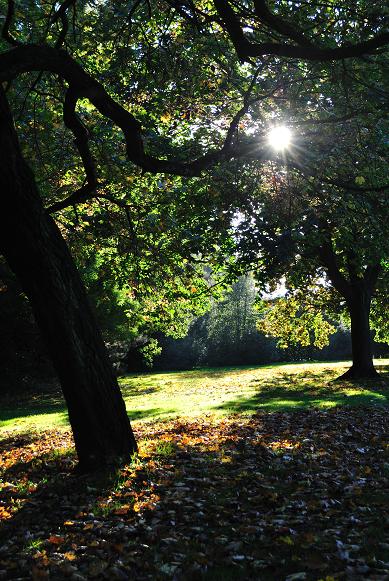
(279, 137)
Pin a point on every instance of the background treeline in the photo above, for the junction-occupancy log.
(225, 335)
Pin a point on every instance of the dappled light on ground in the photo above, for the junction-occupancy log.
(307, 390)
(273, 387)
(34, 409)
(160, 396)
(241, 497)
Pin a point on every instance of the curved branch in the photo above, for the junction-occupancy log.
(328, 258)
(29, 58)
(303, 50)
(5, 33)
(37, 58)
(62, 10)
(61, 14)
(81, 134)
(277, 24)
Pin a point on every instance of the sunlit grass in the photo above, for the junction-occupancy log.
(158, 396)
(38, 421)
(222, 391)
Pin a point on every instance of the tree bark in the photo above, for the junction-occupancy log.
(357, 292)
(361, 341)
(35, 250)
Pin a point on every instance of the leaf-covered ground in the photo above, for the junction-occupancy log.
(274, 496)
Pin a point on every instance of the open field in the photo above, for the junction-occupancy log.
(270, 473)
(156, 396)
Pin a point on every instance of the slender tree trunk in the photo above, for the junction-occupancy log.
(361, 341)
(35, 250)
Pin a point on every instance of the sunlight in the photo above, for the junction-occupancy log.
(279, 137)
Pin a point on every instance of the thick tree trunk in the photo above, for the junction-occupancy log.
(37, 253)
(359, 307)
(357, 290)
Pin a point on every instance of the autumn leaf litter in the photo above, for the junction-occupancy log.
(283, 495)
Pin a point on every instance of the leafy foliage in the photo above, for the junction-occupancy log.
(297, 318)
(138, 237)
(380, 322)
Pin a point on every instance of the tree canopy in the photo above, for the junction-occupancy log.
(146, 125)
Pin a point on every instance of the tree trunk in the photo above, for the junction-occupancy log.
(357, 291)
(359, 307)
(35, 250)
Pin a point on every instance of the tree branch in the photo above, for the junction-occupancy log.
(233, 27)
(247, 102)
(81, 134)
(61, 14)
(303, 50)
(328, 258)
(327, 121)
(277, 24)
(37, 58)
(27, 58)
(7, 24)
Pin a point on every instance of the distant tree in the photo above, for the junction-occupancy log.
(227, 334)
(231, 323)
(298, 318)
(328, 230)
(241, 328)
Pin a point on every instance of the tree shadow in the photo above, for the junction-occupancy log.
(42, 491)
(12, 441)
(253, 498)
(41, 406)
(130, 388)
(33, 404)
(201, 372)
(141, 414)
(307, 389)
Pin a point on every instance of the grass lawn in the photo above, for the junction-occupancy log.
(222, 391)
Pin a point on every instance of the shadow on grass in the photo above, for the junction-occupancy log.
(43, 482)
(41, 404)
(13, 441)
(278, 391)
(8, 416)
(303, 390)
(130, 387)
(190, 374)
(32, 404)
(150, 413)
